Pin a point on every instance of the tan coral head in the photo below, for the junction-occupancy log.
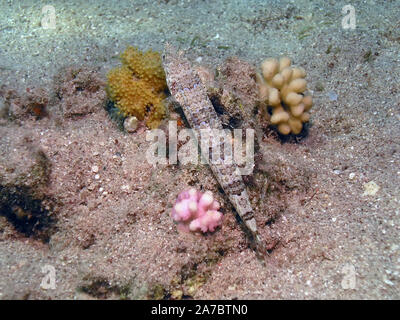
(282, 87)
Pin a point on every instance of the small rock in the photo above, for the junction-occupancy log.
(95, 169)
(332, 96)
(387, 281)
(370, 188)
(131, 124)
(352, 175)
(125, 188)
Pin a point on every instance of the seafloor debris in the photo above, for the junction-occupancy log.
(101, 288)
(370, 188)
(24, 198)
(137, 87)
(32, 102)
(235, 94)
(239, 77)
(80, 91)
(196, 211)
(131, 124)
(282, 87)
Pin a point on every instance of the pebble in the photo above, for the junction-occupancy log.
(370, 188)
(91, 187)
(95, 169)
(387, 281)
(97, 176)
(125, 188)
(332, 95)
(352, 175)
(131, 124)
(3, 108)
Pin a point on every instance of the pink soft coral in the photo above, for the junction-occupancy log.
(196, 211)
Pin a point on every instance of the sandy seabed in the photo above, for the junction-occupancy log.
(328, 206)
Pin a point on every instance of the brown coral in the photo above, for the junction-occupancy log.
(282, 87)
(137, 87)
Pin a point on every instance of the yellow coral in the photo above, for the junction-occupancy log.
(137, 87)
(282, 87)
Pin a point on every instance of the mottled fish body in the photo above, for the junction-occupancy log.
(188, 90)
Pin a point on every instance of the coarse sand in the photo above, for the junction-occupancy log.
(328, 206)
